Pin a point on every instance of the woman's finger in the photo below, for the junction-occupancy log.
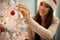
(22, 6)
(24, 10)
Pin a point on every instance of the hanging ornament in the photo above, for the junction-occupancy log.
(1, 29)
(12, 12)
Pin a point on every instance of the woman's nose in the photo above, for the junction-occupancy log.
(42, 7)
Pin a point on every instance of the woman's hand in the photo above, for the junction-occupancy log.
(24, 10)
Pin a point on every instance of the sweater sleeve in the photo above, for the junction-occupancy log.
(44, 33)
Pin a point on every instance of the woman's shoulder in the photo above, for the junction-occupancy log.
(55, 19)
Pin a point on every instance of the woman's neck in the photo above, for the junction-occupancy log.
(43, 18)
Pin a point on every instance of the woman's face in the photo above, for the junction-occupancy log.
(43, 9)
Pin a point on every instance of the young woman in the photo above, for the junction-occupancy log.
(44, 25)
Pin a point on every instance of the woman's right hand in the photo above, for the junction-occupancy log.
(25, 11)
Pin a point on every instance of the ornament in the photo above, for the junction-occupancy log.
(1, 29)
(12, 12)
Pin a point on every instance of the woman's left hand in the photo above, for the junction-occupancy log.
(25, 11)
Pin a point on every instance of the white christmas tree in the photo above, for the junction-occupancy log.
(13, 22)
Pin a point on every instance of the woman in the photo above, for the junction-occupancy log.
(44, 25)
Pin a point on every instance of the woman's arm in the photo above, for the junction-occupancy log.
(44, 33)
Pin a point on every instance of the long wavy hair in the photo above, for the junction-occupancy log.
(48, 21)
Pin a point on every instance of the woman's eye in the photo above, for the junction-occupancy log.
(41, 4)
(46, 6)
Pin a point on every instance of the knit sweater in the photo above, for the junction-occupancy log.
(45, 34)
